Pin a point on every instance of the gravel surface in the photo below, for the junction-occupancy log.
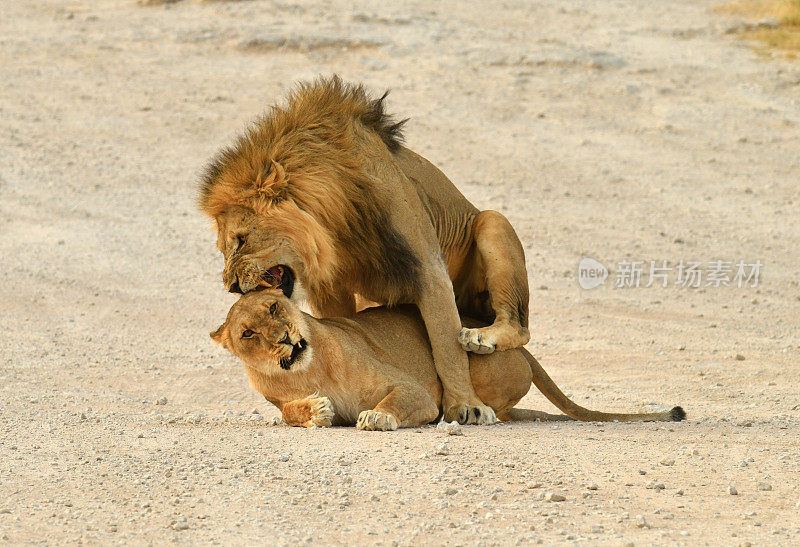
(612, 130)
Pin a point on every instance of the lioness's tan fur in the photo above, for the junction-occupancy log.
(323, 187)
(375, 369)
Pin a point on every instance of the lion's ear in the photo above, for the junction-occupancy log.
(221, 336)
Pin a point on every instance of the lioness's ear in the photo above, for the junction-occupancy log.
(221, 336)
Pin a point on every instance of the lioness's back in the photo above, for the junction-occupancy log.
(396, 336)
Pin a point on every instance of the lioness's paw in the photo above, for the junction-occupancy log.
(476, 341)
(471, 414)
(374, 420)
(321, 410)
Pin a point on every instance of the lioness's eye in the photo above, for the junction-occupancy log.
(247, 334)
(240, 242)
(273, 307)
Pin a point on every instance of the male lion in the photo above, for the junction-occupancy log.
(320, 194)
(375, 368)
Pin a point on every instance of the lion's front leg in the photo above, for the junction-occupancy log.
(437, 306)
(309, 411)
(432, 290)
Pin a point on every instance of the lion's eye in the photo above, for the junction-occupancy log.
(273, 308)
(247, 334)
(239, 242)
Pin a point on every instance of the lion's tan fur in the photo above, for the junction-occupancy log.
(376, 369)
(323, 187)
(301, 169)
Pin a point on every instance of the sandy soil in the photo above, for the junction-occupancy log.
(615, 130)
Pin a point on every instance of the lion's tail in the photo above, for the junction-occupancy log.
(550, 390)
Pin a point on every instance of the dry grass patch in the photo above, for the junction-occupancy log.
(774, 23)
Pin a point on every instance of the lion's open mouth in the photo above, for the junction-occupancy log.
(297, 349)
(278, 277)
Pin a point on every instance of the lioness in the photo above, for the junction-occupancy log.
(375, 368)
(320, 199)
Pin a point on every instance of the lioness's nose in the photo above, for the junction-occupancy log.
(235, 288)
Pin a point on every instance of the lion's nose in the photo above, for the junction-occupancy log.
(235, 288)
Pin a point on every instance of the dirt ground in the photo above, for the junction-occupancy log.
(620, 131)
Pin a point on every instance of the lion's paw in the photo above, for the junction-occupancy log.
(374, 420)
(321, 410)
(476, 340)
(495, 337)
(471, 414)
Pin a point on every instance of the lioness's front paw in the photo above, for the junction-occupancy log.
(374, 420)
(476, 341)
(321, 410)
(470, 414)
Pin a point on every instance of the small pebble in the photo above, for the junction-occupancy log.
(668, 461)
(452, 428)
(180, 525)
(733, 491)
(550, 496)
(284, 458)
(441, 450)
(640, 522)
(764, 487)
(160, 401)
(739, 357)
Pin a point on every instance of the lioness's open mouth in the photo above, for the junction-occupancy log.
(297, 349)
(278, 277)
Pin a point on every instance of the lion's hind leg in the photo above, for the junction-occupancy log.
(310, 411)
(502, 259)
